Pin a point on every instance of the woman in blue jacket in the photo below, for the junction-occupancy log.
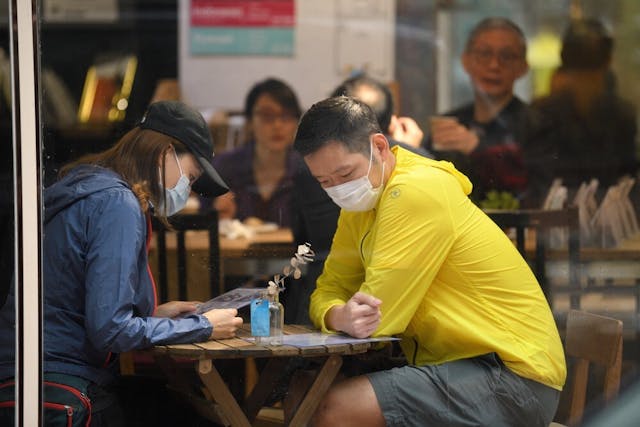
(99, 296)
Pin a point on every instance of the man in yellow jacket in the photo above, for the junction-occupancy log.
(414, 257)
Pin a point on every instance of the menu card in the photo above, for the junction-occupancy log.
(236, 298)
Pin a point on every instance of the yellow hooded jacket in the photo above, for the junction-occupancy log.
(451, 282)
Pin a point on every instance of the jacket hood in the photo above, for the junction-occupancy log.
(448, 167)
(79, 183)
(443, 165)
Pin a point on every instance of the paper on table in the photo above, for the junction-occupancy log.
(318, 338)
(265, 227)
(236, 298)
(234, 229)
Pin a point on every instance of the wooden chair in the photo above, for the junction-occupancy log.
(181, 224)
(592, 341)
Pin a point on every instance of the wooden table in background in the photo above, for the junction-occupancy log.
(277, 243)
(607, 271)
(573, 269)
(261, 247)
(221, 406)
(273, 244)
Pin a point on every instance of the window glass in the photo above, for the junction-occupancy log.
(102, 66)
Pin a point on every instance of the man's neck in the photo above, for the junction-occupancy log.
(486, 108)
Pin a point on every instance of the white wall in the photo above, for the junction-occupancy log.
(332, 37)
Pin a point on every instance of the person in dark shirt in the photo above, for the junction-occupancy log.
(583, 129)
(260, 172)
(483, 138)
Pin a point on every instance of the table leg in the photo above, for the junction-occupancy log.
(221, 394)
(320, 385)
(299, 385)
(263, 388)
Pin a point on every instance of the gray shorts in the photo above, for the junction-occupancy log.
(471, 392)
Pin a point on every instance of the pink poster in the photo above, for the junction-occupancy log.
(242, 13)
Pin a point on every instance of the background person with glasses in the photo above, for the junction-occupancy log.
(483, 138)
(260, 173)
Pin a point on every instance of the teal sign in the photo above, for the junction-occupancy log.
(241, 41)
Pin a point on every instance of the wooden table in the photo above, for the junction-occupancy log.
(622, 261)
(607, 271)
(574, 268)
(275, 244)
(222, 407)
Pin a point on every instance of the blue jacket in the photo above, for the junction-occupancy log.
(99, 296)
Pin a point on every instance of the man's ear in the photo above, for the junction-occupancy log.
(381, 143)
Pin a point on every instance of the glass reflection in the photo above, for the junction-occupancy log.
(133, 59)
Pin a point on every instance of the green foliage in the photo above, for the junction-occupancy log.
(500, 200)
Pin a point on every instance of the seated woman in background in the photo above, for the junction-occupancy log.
(260, 172)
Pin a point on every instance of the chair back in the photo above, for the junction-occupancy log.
(542, 221)
(181, 224)
(591, 341)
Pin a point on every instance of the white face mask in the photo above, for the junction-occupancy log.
(357, 195)
(176, 197)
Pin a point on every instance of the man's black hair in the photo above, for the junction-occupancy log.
(338, 119)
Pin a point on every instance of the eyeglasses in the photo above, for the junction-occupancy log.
(504, 57)
(270, 117)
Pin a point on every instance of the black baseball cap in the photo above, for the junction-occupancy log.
(179, 121)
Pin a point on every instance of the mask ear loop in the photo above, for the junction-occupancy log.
(371, 162)
(163, 176)
(370, 157)
(381, 176)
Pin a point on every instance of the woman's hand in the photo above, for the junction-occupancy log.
(176, 308)
(225, 205)
(225, 322)
(405, 129)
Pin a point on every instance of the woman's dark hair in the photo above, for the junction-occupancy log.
(135, 158)
(276, 89)
(586, 44)
(379, 96)
(339, 119)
